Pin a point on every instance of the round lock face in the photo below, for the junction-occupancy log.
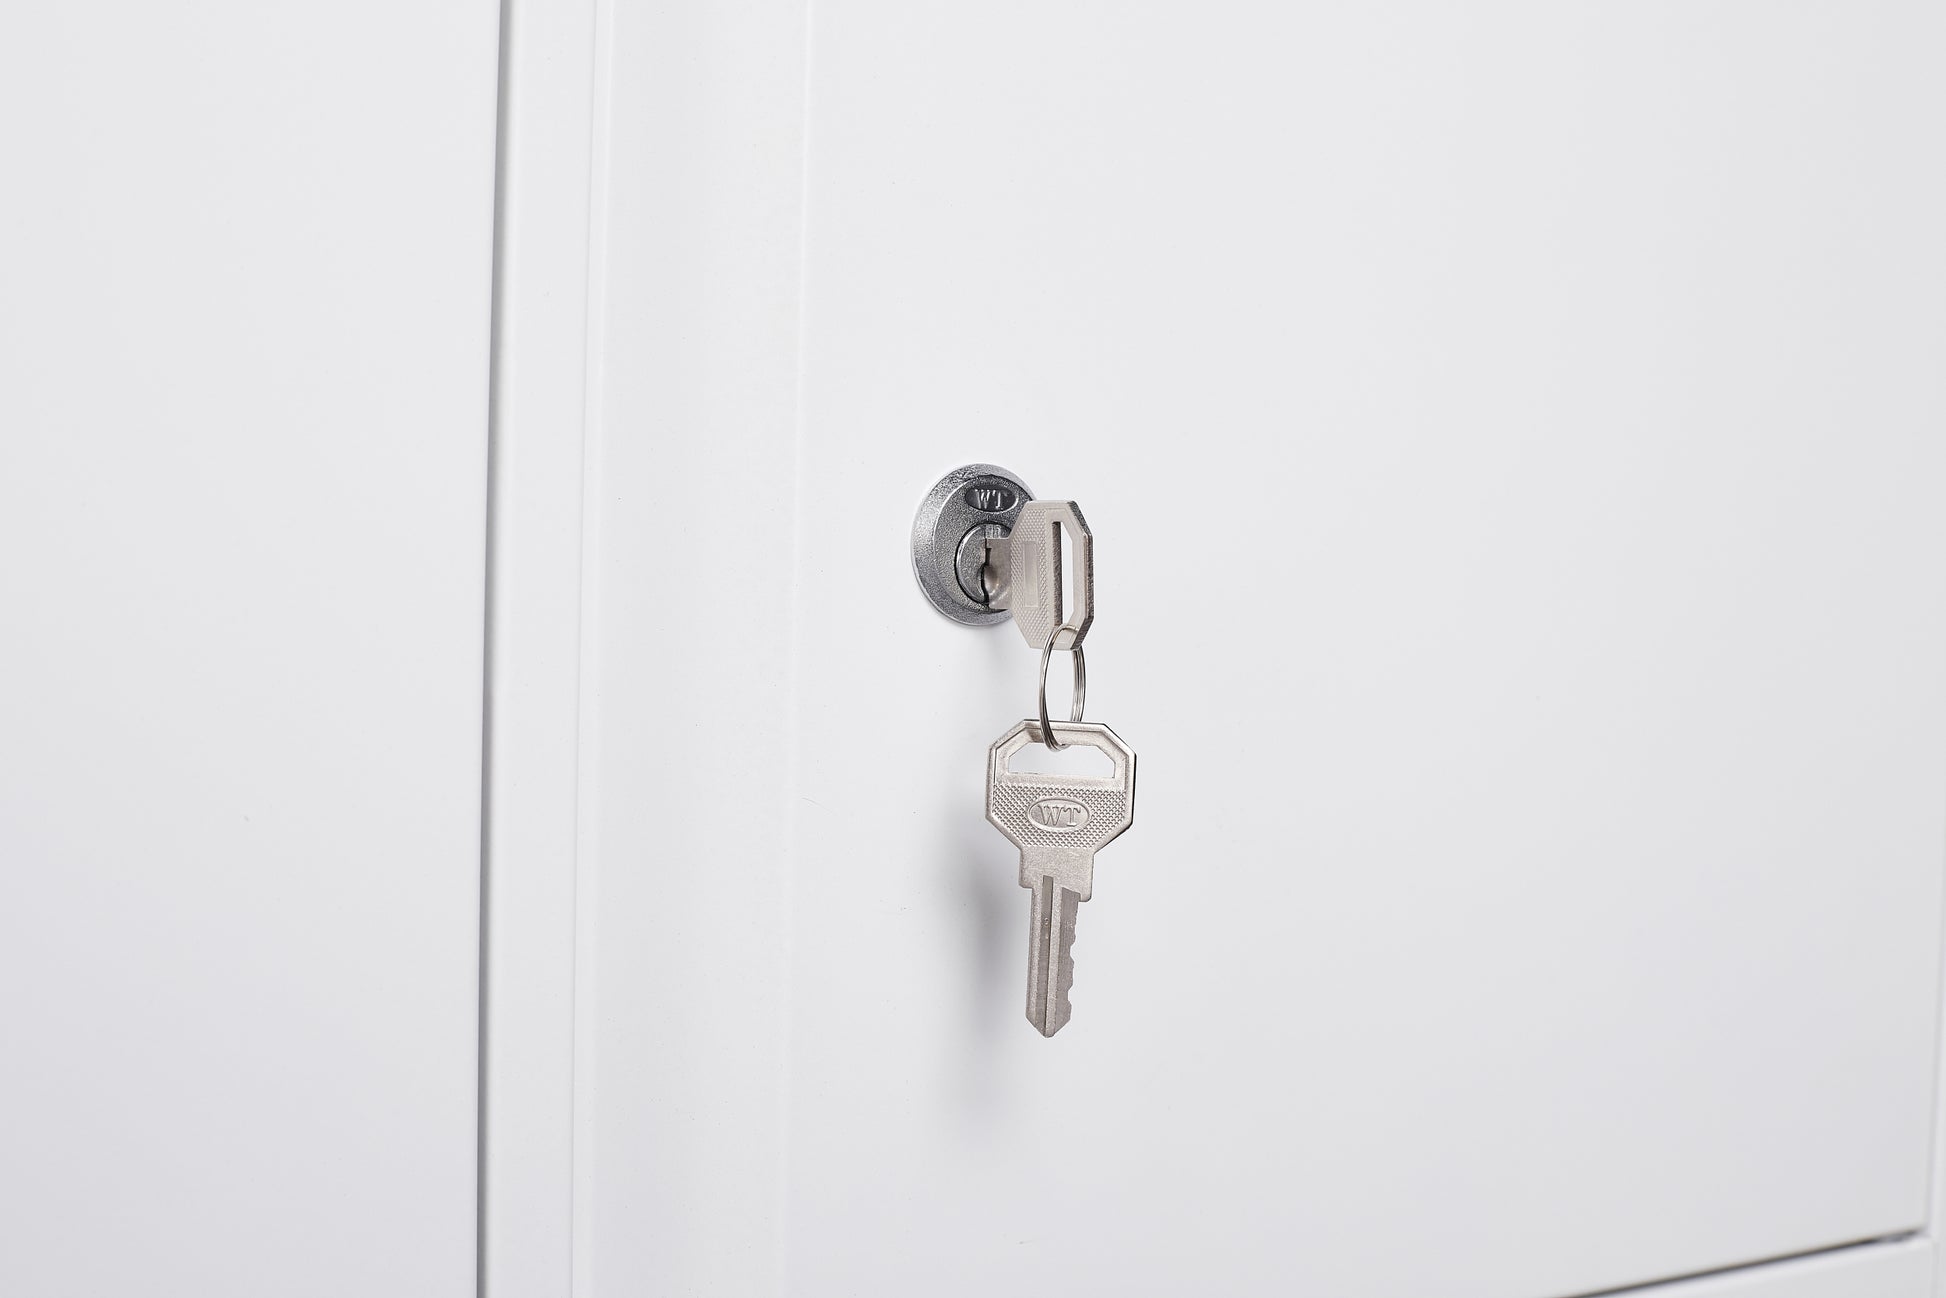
(971, 504)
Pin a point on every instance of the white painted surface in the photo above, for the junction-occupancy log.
(1528, 410)
(533, 822)
(683, 875)
(1896, 1269)
(243, 372)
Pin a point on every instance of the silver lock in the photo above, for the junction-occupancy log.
(984, 550)
(969, 507)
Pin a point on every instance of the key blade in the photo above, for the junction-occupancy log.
(1050, 955)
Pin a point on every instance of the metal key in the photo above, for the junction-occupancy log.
(1024, 573)
(1058, 822)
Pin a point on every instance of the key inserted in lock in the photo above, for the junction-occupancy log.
(1024, 573)
(984, 550)
(966, 509)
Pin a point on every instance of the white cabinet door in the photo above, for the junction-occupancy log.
(244, 318)
(1512, 435)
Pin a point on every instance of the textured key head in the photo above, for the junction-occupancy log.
(1064, 811)
(1036, 577)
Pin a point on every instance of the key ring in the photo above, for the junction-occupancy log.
(1080, 696)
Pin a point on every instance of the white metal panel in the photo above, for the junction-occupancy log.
(540, 375)
(1512, 444)
(244, 287)
(681, 991)
(1895, 1269)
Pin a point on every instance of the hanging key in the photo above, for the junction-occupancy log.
(1058, 822)
(1024, 573)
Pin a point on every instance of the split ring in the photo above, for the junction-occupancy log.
(1080, 697)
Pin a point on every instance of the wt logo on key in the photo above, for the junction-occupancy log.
(1058, 814)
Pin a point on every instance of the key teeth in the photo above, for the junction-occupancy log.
(1060, 968)
(1064, 967)
(1063, 1010)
